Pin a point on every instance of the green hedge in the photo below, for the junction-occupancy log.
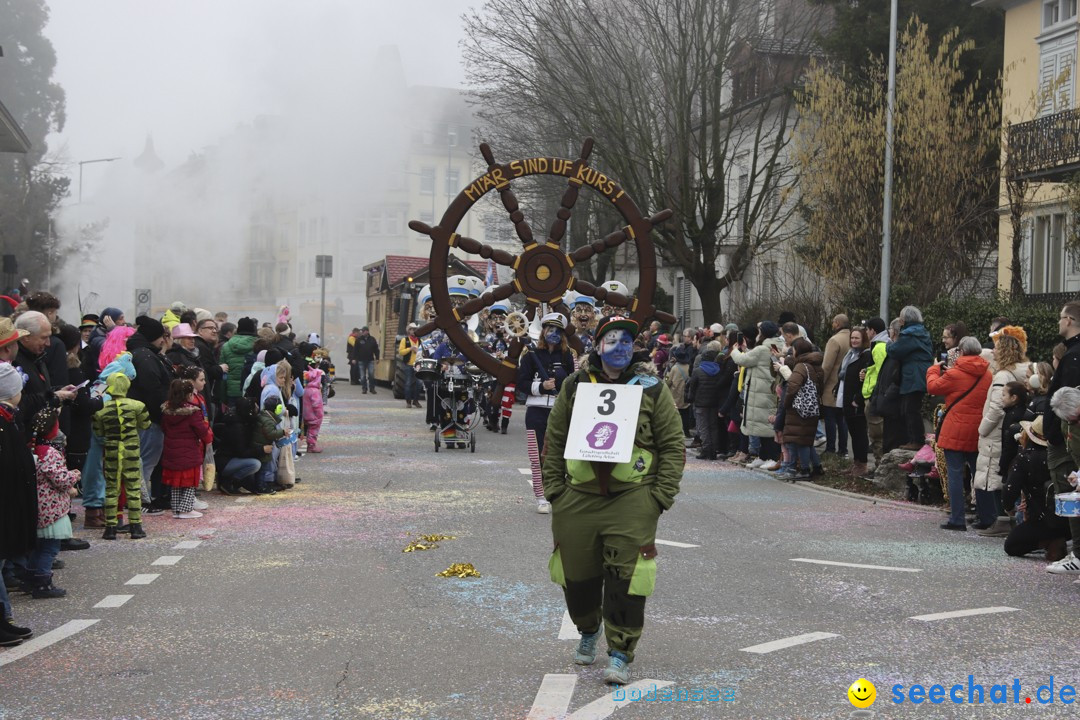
(1038, 317)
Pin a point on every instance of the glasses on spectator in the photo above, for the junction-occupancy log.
(211, 328)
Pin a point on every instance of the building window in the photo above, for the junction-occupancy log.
(427, 181)
(303, 233)
(1057, 68)
(452, 179)
(393, 224)
(360, 226)
(1058, 11)
(1048, 254)
(283, 277)
(375, 223)
(427, 217)
(324, 229)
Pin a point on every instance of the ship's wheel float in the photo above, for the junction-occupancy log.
(543, 271)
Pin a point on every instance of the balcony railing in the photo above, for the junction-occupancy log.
(1047, 148)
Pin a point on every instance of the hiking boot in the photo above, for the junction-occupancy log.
(94, 518)
(110, 533)
(585, 654)
(858, 470)
(618, 670)
(137, 533)
(1001, 528)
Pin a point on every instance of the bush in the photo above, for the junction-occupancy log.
(1038, 317)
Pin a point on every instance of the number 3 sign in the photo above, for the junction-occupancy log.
(603, 422)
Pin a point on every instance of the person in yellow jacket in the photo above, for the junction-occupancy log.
(408, 352)
(879, 341)
(604, 515)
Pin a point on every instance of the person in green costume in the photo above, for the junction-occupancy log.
(604, 514)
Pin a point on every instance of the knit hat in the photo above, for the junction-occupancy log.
(113, 313)
(245, 326)
(178, 307)
(202, 314)
(731, 327)
(11, 382)
(149, 328)
(716, 328)
(769, 329)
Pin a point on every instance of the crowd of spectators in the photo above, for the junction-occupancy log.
(137, 419)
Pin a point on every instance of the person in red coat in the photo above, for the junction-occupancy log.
(964, 387)
(187, 433)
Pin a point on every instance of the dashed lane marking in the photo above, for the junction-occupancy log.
(553, 697)
(245, 499)
(854, 565)
(43, 641)
(787, 642)
(143, 579)
(568, 631)
(525, 471)
(963, 613)
(672, 543)
(168, 560)
(113, 601)
(187, 545)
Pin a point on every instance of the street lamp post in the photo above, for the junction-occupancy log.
(886, 216)
(88, 162)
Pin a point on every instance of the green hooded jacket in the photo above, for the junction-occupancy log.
(118, 424)
(659, 450)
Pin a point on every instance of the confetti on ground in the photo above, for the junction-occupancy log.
(419, 545)
(436, 538)
(459, 570)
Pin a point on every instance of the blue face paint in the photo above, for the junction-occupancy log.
(617, 349)
(553, 337)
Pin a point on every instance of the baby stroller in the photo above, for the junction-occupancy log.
(457, 406)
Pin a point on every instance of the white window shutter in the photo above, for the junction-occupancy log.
(1066, 71)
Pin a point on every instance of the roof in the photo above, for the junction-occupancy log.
(399, 267)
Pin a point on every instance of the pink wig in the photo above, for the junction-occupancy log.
(115, 343)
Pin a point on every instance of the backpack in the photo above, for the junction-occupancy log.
(806, 400)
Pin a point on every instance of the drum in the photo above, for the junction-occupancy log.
(1067, 504)
(427, 369)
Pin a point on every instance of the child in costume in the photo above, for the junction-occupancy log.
(313, 408)
(117, 424)
(187, 435)
(54, 487)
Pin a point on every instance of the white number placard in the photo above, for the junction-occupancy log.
(603, 423)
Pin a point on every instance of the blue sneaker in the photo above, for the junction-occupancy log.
(586, 649)
(618, 670)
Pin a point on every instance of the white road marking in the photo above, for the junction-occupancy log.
(568, 631)
(113, 601)
(187, 545)
(43, 641)
(605, 706)
(525, 471)
(854, 565)
(245, 499)
(672, 543)
(963, 613)
(553, 697)
(143, 579)
(787, 642)
(168, 560)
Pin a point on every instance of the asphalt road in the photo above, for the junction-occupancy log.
(303, 605)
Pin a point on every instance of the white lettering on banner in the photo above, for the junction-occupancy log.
(603, 422)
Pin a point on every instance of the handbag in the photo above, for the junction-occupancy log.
(806, 400)
(286, 470)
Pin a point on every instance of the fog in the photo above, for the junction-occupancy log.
(269, 121)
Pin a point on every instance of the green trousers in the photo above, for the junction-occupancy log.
(133, 488)
(605, 561)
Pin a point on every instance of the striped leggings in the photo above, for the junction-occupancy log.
(535, 427)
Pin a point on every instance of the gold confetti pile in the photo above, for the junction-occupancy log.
(419, 545)
(436, 538)
(459, 570)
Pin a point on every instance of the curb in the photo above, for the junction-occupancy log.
(814, 487)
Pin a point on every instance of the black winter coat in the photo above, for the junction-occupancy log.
(37, 391)
(1066, 375)
(704, 388)
(153, 375)
(853, 402)
(1030, 476)
(82, 414)
(18, 489)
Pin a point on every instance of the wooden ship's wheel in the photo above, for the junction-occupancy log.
(543, 272)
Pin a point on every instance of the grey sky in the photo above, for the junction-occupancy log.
(188, 71)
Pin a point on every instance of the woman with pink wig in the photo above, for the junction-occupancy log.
(115, 343)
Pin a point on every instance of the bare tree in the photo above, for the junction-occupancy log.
(689, 101)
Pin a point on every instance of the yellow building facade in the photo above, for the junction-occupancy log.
(1042, 140)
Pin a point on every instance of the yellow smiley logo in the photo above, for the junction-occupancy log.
(862, 693)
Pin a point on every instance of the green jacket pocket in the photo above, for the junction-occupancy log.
(555, 568)
(643, 581)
